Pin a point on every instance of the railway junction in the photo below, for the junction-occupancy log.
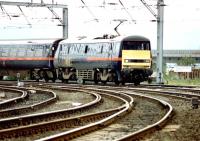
(61, 109)
(56, 111)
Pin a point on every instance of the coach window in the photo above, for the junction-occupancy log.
(29, 51)
(61, 46)
(22, 51)
(48, 49)
(13, 52)
(106, 48)
(5, 51)
(116, 45)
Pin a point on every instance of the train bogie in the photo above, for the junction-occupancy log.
(13, 73)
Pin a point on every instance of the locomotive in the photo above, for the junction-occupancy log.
(119, 60)
(103, 59)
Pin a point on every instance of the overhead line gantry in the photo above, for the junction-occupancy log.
(64, 22)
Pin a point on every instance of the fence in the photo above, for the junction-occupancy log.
(195, 73)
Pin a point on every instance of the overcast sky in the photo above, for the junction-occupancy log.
(181, 21)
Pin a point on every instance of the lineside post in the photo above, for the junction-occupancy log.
(65, 23)
(159, 66)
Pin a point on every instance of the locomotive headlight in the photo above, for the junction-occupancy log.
(147, 61)
(126, 60)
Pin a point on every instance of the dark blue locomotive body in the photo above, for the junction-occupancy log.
(88, 55)
(102, 60)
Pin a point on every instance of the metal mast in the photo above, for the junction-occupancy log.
(64, 23)
(160, 18)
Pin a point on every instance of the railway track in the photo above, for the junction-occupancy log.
(184, 124)
(25, 128)
(180, 98)
(147, 115)
(11, 97)
(67, 136)
(29, 103)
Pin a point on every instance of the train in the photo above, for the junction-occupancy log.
(122, 59)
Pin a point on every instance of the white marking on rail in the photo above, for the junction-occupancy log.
(171, 128)
(2, 95)
(69, 102)
(76, 104)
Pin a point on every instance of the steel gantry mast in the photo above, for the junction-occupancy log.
(160, 20)
(64, 22)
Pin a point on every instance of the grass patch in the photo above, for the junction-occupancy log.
(174, 80)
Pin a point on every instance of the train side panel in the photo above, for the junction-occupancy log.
(32, 58)
(87, 60)
(25, 56)
(87, 55)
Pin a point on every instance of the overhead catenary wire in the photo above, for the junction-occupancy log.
(149, 8)
(4, 11)
(55, 14)
(29, 23)
(90, 11)
(28, 4)
(127, 11)
(85, 5)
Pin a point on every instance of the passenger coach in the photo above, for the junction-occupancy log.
(29, 58)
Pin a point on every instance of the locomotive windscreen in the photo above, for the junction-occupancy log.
(136, 45)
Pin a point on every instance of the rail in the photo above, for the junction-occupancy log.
(12, 101)
(154, 126)
(126, 108)
(24, 120)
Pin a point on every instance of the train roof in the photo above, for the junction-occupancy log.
(15, 42)
(116, 39)
(135, 38)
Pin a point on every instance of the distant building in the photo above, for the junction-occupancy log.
(173, 56)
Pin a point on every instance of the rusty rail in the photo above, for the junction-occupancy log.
(12, 101)
(52, 125)
(33, 118)
(25, 109)
(140, 133)
(126, 108)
